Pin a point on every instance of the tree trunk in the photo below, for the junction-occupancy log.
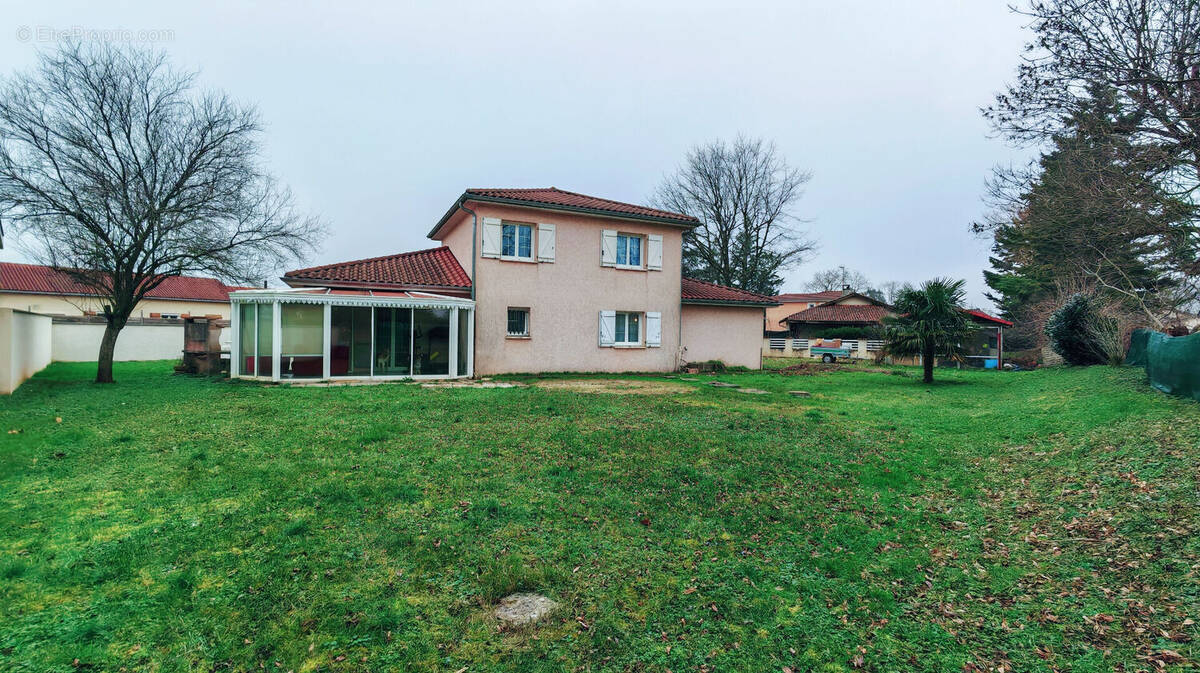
(108, 344)
(927, 360)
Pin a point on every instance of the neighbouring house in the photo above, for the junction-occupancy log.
(525, 280)
(794, 302)
(42, 289)
(858, 321)
(74, 313)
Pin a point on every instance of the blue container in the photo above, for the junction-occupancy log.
(991, 363)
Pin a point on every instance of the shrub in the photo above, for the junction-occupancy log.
(1073, 331)
(849, 333)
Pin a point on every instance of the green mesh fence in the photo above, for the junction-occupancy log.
(1172, 363)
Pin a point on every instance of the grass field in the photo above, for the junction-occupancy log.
(1028, 521)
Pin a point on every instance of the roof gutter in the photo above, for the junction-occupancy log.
(686, 224)
(719, 302)
(334, 284)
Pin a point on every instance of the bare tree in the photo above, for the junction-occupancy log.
(122, 175)
(891, 290)
(744, 195)
(839, 278)
(1146, 51)
(842, 278)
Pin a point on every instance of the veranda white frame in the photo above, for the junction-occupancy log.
(460, 309)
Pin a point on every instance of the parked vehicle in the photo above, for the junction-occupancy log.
(829, 350)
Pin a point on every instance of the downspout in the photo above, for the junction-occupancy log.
(474, 242)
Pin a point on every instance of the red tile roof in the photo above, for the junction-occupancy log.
(847, 313)
(825, 295)
(553, 196)
(989, 318)
(435, 267)
(37, 279)
(694, 291)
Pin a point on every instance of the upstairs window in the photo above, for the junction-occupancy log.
(517, 241)
(629, 250)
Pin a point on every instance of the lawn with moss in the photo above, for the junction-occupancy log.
(1041, 520)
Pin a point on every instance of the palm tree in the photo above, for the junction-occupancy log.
(929, 322)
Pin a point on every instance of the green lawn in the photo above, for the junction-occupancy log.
(1041, 520)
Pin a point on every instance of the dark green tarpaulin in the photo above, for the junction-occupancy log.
(1172, 363)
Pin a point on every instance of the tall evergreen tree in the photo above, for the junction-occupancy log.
(1092, 207)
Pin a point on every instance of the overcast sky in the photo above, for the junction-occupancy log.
(379, 116)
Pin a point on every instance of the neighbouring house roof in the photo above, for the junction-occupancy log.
(832, 310)
(432, 268)
(694, 291)
(874, 313)
(552, 198)
(37, 279)
(795, 297)
(980, 315)
(841, 313)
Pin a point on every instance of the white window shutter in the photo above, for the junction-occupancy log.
(608, 247)
(545, 242)
(492, 233)
(654, 252)
(608, 327)
(653, 329)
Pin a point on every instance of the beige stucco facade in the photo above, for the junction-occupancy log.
(731, 334)
(776, 313)
(54, 304)
(565, 297)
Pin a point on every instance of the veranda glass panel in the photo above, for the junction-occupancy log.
(393, 331)
(464, 326)
(246, 329)
(302, 351)
(350, 341)
(431, 341)
(265, 332)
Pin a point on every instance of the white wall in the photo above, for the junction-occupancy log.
(80, 342)
(24, 346)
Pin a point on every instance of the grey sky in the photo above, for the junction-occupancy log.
(379, 116)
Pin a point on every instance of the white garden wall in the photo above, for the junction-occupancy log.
(80, 342)
(24, 346)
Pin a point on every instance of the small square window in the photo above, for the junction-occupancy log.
(518, 322)
(516, 241)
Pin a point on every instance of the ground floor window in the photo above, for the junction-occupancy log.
(431, 341)
(518, 322)
(350, 341)
(464, 342)
(311, 340)
(393, 342)
(302, 341)
(628, 329)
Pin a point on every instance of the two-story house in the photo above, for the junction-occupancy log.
(525, 280)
